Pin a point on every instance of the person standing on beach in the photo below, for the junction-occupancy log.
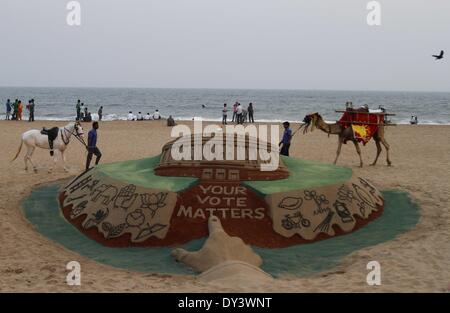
(235, 105)
(250, 113)
(100, 113)
(244, 116)
(28, 108)
(78, 107)
(31, 111)
(81, 112)
(85, 114)
(224, 114)
(19, 110)
(286, 140)
(15, 108)
(239, 114)
(8, 109)
(92, 146)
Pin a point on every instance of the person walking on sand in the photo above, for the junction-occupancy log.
(78, 108)
(19, 110)
(250, 113)
(286, 140)
(8, 109)
(100, 113)
(92, 146)
(224, 114)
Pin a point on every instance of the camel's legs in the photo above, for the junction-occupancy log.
(338, 152)
(358, 149)
(30, 150)
(386, 145)
(377, 142)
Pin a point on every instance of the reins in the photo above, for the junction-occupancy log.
(76, 135)
(301, 125)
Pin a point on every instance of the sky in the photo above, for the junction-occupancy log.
(244, 44)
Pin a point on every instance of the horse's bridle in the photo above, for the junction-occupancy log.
(74, 132)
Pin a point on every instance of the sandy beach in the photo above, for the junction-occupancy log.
(416, 261)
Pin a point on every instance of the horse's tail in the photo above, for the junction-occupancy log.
(20, 148)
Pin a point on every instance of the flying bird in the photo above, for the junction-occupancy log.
(440, 56)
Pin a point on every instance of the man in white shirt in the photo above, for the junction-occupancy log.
(130, 117)
(156, 115)
(239, 114)
(139, 117)
(147, 117)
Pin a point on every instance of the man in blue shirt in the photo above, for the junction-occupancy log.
(286, 141)
(92, 146)
(8, 109)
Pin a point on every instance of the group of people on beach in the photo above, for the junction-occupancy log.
(14, 111)
(140, 117)
(240, 114)
(83, 113)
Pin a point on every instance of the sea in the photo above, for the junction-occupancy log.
(207, 104)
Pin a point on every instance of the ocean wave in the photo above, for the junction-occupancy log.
(116, 117)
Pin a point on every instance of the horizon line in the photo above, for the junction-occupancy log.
(231, 88)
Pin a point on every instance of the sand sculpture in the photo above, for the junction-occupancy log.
(158, 201)
(224, 259)
(219, 248)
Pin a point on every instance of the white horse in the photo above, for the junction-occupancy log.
(33, 138)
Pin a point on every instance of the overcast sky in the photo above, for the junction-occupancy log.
(267, 44)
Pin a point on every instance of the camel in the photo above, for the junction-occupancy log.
(345, 134)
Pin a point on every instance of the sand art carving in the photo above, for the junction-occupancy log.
(220, 247)
(224, 259)
(160, 202)
(116, 209)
